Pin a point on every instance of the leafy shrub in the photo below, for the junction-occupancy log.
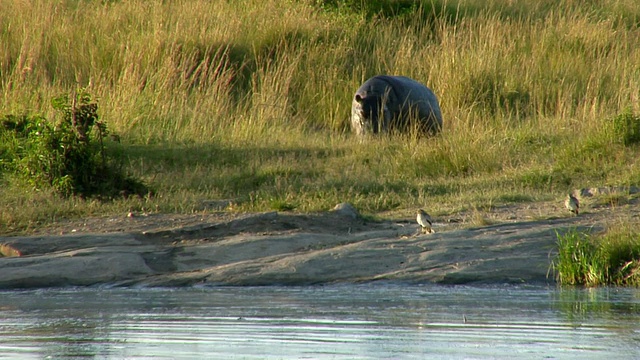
(68, 154)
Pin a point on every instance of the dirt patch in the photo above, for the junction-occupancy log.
(513, 244)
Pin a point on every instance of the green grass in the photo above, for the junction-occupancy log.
(612, 258)
(249, 101)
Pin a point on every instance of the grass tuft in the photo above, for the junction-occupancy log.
(612, 258)
(627, 127)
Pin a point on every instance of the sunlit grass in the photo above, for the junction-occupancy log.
(250, 101)
(612, 258)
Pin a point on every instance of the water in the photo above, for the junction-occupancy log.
(374, 321)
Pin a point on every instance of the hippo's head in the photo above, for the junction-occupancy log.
(371, 114)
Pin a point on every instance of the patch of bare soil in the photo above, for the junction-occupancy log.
(511, 244)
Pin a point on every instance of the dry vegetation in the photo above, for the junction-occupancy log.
(249, 101)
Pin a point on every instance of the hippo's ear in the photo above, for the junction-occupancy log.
(359, 98)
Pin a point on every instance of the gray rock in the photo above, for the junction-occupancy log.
(346, 210)
(286, 249)
(588, 192)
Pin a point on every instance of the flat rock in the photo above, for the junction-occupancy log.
(284, 249)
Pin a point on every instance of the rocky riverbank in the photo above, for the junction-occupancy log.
(285, 249)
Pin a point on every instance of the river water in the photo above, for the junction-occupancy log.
(372, 321)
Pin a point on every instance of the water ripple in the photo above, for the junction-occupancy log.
(348, 322)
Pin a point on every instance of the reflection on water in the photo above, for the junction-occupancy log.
(375, 321)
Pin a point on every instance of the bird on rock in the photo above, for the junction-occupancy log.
(425, 221)
(572, 204)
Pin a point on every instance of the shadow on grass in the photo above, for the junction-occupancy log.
(276, 178)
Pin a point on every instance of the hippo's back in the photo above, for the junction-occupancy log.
(413, 93)
(400, 97)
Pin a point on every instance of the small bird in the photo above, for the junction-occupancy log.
(572, 204)
(425, 221)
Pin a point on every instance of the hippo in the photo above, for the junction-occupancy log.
(389, 103)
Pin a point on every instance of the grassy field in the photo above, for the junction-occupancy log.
(249, 101)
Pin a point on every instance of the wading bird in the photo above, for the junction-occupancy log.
(572, 204)
(425, 221)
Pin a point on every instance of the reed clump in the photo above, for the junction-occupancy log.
(611, 258)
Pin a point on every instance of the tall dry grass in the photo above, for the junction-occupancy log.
(250, 100)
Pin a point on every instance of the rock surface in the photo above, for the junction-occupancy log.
(287, 249)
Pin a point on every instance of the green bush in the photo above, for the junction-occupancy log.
(68, 155)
